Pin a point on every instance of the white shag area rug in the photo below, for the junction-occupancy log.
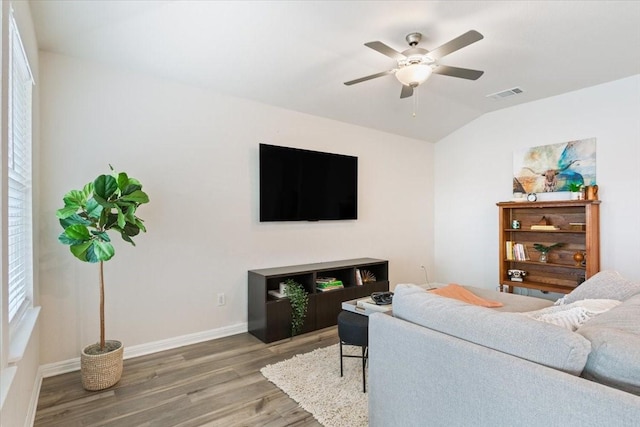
(313, 380)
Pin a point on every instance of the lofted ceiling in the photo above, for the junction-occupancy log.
(297, 54)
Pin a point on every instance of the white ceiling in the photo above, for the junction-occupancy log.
(297, 54)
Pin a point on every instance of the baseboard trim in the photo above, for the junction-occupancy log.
(30, 418)
(62, 367)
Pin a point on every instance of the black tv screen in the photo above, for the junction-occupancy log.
(304, 185)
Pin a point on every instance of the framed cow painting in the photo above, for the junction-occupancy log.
(554, 167)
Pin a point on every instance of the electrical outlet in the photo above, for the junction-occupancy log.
(221, 299)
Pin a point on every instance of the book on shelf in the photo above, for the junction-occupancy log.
(329, 284)
(516, 251)
(330, 288)
(544, 227)
(358, 277)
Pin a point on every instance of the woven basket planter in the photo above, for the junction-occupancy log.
(100, 371)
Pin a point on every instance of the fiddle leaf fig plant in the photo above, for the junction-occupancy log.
(109, 203)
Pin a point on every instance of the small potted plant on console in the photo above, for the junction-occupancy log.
(299, 300)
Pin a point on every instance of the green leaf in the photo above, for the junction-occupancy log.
(140, 225)
(121, 219)
(102, 235)
(74, 219)
(131, 230)
(131, 188)
(80, 250)
(77, 232)
(103, 202)
(66, 240)
(67, 211)
(75, 198)
(123, 181)
(104, 251)
(93, 208)
(137, 196)
(104, 186)
(88, 190)
(126, 238)
(130, 215)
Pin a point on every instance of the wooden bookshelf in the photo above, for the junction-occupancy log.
(560, 273)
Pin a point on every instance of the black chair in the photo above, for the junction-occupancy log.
(353, 329)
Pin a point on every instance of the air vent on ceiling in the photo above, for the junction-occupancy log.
(506, 93)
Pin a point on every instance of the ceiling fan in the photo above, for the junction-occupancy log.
(415, 64)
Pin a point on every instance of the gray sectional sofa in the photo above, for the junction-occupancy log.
(442, 362)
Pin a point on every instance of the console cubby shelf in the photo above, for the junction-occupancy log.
(560, 273)
(270, 317)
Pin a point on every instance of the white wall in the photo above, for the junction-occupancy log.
(474, 171)
(196, 153)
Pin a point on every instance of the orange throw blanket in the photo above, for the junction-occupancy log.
(460, 293)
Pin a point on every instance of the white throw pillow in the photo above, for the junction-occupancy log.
(572, 316)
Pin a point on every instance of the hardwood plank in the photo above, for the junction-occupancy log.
(213, 383)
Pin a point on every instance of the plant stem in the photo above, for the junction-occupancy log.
(102, 340)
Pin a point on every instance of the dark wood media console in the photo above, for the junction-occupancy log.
(270, 317)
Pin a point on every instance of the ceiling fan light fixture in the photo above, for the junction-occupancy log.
(414, 74)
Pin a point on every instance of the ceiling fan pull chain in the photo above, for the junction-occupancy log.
(415, 101)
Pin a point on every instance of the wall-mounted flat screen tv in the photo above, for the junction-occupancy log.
(304, 185)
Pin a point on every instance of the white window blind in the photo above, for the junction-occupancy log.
(19, 235)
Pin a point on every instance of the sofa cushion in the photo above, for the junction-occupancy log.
(615, 341)
(572, 316)
(509, 333)
(607, 284)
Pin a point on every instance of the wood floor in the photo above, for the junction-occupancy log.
(214, 383)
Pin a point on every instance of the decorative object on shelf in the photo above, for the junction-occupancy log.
(543, 221)
(358, 278)
(532, 197)
(368, 276)
(299, 300)
(515, 224)
(544, 250)
(577, 226)
(551, 168)
(516, 275)
(591, 192)
(578, 257)
(576, 190)
(518, 196)
(108, 203)
(545, 225)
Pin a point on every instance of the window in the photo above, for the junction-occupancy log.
(17, 261)
(18, 201)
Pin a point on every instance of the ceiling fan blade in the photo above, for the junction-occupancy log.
(458, 43)
(385, 50)
(407, 91)
(463, 73)
(372, 76)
